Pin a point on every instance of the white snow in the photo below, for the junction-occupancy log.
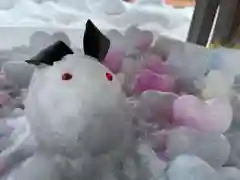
(19, 19)
(186, 167)
(154, 15)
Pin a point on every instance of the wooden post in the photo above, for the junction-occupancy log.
(227, 22)
(202, 21)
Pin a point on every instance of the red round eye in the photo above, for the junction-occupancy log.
(66, 76)
(109, 76)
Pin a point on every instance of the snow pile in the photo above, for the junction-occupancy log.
(116, 14)
(184, 127)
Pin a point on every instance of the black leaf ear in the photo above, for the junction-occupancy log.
(34, 62)
(95, 43)
(51, 54)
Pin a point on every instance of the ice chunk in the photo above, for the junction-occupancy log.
(215, 61)
(234, 158)
(5, 5)
(130, 68)
(229, 61)
(23, 93)
(137, 39)
(164, 46)
(40, 40)
(108, 7)
(20, 53)
(217, 85)
(61, 36)
(158, 141)
(117, 51)
(116, 38)
(192, 60)
(18, 72)
(4, 98)
(189, 85)
(5, 84)
(16, 103)
(5, 129)
(114, 59)
(5, 142)
(20, 126)
(229, 173)
(148, 80)
(4, 58)
(214, 115)
(5, 133)
(37, 167)
(156, 105)
(212, 147)
(17, 112)
(150, 160)
(155, 63)
(144, 40)
(187, 167)
(5, 111)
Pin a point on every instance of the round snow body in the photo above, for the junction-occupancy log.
(77, 105)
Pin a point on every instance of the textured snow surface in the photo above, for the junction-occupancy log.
(157, 118)
(154, 15)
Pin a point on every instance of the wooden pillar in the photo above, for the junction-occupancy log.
(227, 22)
(202, 21)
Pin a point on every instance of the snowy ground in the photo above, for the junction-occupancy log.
(190, 118)
(20, 19)
(151, 14)
(186, 97)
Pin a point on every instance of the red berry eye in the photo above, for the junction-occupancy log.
(66, 76)
(109, 76)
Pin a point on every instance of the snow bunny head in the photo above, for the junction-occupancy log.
(76, 105)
